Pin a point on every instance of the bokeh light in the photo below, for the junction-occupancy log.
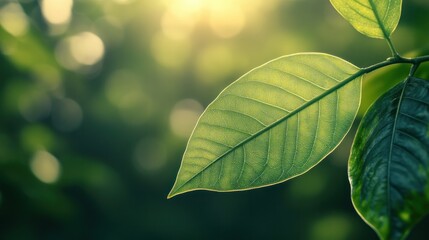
(86, 48)
(57, 12)
(82, 49)
(177, 24)
(227, 19)
(13, 19)
(45, 167)
(184, 116)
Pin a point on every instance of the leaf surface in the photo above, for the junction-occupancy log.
(389, 163)
(373, 18)
(272, 124)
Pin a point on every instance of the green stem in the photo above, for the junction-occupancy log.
(414, 69)
(395, 53)
(390, 61)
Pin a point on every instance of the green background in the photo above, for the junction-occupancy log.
(95, 114)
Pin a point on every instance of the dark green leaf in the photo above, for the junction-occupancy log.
(389, 163)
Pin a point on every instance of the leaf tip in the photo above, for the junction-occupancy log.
(169, 196)
(172, 193)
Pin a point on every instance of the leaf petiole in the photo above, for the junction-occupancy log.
(395, 53)
(413, 69)
(393, 60)
(390, 61)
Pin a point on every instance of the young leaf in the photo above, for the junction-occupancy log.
(389, 163)
(272, 124)
(373, 18)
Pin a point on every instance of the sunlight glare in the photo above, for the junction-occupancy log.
(179, 20)
(226, 19)
(13, 19)
(176, 27)
(123, 1)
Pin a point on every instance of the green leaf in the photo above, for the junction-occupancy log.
(389, 163)
(373, 18)
(272, 124)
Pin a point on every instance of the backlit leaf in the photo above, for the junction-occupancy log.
(272, 124)
(373, 18)
(389, 164)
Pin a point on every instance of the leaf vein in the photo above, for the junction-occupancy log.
(267, 158)
(413, 118)
(242, 166)
(315, 135)
(225, 127)
(298, 77)
(417, 100)
(258, 101)
(410, 153)
(317, 70)
(244, 114)
(213, 141)
(278, 87)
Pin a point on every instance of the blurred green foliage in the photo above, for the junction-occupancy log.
(97, 99)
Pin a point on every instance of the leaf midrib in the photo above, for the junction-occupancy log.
(357, 75)
(377, 16)
(392, 140)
